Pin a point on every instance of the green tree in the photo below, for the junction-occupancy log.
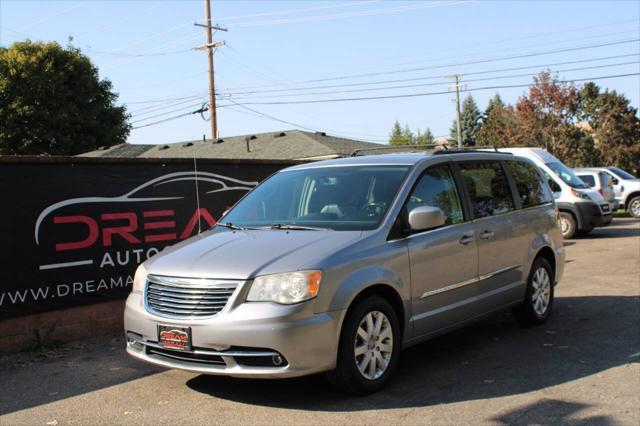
(495, 102)
(470, 122)
(615, 125)
(427, 137)
(53, 102)
(396, 136)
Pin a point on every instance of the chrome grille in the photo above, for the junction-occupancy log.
(187, 297)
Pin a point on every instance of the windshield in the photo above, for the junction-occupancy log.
(566, 174)
(621, 173)
(338, 198)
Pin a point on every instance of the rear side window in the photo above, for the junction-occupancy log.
(531, 189)
(588, 179)
(436, 188)
(488, 187)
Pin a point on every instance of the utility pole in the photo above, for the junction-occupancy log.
(210, 47)
(456, 85)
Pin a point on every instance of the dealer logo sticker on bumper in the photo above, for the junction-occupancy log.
(174, 338)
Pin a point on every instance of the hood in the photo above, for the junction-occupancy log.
(631, 183)
(226, 254)
(594, 194)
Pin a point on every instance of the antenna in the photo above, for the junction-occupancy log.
(195, 169)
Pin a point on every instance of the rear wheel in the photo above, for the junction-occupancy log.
(634, 207)
(538, 299)
(567, 225)
(369, 347)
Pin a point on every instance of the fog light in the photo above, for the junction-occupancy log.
(277, 360)
(134, 341)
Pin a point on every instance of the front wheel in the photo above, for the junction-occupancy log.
(369, 347)
(538, 299)
(634, 207)
(567, 225)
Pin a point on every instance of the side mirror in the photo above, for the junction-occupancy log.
(425, 217)
(615, 181)
(553, 185)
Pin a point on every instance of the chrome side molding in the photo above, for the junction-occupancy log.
(469, 281)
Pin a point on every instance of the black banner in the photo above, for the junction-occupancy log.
(74, 230)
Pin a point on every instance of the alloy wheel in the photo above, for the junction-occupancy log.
(635, 208)
(373, 345)
(541, 291)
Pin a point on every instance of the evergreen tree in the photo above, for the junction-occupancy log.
(397, 136)
(427, 137)
(408, 136)
(495, 102)
(470, 122)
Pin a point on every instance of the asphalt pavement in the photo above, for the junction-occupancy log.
(582, 367)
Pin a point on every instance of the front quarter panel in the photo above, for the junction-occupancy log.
(353, 270)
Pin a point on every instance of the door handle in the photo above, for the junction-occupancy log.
(486, 235)
(466, 239)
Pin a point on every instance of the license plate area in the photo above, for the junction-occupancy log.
(174, 338)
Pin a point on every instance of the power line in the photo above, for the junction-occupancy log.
(308, 9)
(155, 108)
(163, 100)
(167, 112)
(372, 12)
(458, 64)
(414, 95)
(512, 39)
(436, 84)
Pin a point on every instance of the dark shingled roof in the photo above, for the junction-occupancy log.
(284, 145)
(124, 150)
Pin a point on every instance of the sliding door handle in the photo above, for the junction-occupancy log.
(486, 235)
(466, 239)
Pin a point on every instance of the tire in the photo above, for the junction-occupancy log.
(567, 225)
(347, 377)
(634, 207)
(534, 310)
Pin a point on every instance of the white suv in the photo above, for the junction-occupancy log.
(626, 187)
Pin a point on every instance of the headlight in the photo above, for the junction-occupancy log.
(288, 288)
(580, 194)
(140, 278)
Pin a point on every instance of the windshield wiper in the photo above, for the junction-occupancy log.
(298, 227)
(231, 226)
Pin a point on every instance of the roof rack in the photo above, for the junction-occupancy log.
(389, 147)
(466, 149)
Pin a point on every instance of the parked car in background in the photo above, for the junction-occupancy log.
(626, 188)
(581, 208)
(600, 181)
(335, 266)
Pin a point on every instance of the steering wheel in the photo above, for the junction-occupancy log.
(373, 209)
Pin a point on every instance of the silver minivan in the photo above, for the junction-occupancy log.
(335, 266)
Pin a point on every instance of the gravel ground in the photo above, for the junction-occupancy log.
(582, 367)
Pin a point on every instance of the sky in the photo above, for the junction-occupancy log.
(300, 64)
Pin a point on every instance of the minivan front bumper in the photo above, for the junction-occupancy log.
(242, 340)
